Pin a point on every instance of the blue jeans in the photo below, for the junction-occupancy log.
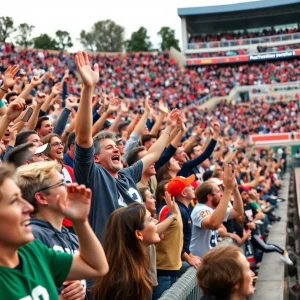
(164, 283)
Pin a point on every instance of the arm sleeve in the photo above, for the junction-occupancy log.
(42, 113)
(59, 263)
(84, 165)
(200, 216)
(64, 91)
(135, 171)
(165, 157)
(8, 148)
(61, 122)
(202, 157)
(131, 143)
(96, 117)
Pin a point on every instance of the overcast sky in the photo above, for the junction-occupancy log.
(73, 16)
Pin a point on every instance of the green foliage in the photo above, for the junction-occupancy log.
(6, 28)
(63, 39)
(104, 36)
(139, 41)
(168, 39)
(24, 35)
(44, 41)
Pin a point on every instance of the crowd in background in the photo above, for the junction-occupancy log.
(231, 36)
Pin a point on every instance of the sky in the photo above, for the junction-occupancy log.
(73, 16)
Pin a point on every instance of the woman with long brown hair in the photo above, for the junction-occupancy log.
(129, 232)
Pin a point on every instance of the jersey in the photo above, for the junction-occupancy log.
(203, 239)
(41, 270)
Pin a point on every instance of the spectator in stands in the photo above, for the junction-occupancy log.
(98, 162)
(225, 274)
(212, 210)
(20, 252)
(46, 223)
(69, 155)
(251, 215)
(128, 234)
(181, 188)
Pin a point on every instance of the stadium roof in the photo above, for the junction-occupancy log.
(219, 9)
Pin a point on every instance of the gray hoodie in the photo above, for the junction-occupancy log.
(63, 241)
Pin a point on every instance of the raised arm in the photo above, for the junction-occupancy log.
(9, 80)
(215, 220)
(163, 111)
(91, 262)
(13, 111)
(35, 81)
(56, 90)
(122, 113)
(84, 119)
(158, 147)
(39, 99)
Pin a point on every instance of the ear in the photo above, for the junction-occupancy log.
(96, 159)
(183, 193)
(40, 198)
(139, 235)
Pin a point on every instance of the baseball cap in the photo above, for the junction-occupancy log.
(244, 188)
(42, 149)
(178, 184)
(216, 181)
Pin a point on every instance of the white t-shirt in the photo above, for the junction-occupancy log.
(203, 239)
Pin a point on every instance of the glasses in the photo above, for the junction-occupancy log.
(56, 144)
(60, 183)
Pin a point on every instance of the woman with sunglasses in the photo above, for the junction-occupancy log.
(28, 269)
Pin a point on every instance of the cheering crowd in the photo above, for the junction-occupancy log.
(81, 169)
(240, 36)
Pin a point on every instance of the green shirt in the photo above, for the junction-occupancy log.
(42, 269)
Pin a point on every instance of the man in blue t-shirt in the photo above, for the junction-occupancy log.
(97, 162)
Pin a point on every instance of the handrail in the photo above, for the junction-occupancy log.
(241, 42)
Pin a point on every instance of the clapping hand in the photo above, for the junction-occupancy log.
(78, 203)
(71, 102)
(40, 98)
(229, 180)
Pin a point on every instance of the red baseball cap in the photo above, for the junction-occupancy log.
(244, 188)
(177, 184)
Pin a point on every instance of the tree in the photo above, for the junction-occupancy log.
(139, 41)
(44, 41)
(87, 40)
(63, 39)
(105, 36)
(6, 28)
(168, 39)
(24, 36)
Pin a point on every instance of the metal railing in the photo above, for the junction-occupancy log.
(246, 42)
(185, 288)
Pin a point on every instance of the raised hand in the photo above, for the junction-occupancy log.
(78, 203)
(37, 80)
(148, 106)
(162, 107)
(15, 108)
(216, 127)
(124, 109)
(180, 124)
(13, 131)
(113, 105)
(40, 98)
(229, 180)
(170, 201)
(9, 78)
(173, 117)
(71, 102)
(56, 89)
(89, 76)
